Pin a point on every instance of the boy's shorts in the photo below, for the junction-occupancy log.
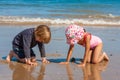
(20, 52)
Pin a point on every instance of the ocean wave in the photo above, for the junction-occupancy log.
(87, 20)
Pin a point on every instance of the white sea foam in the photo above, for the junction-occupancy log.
(89, 21)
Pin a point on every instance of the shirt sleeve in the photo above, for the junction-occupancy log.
(26, 45)
(42, 49)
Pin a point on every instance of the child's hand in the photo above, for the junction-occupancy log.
(44, 60)
(28, 61)
(64, 62)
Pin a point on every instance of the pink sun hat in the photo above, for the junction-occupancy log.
(74, 33)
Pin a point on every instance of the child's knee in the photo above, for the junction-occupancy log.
(94, 61)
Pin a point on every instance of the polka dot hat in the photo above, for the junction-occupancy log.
(74, 33)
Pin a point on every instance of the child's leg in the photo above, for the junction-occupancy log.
(89, 56)
(96, 55)
(103, 56)
(10, 55)
(106, 56)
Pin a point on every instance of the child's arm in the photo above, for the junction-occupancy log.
(42, 52)
(41, 49)
(87, 48)
(68, 55)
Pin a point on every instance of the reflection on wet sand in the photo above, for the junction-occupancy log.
(90, 71)
(25, 72)
(21, 71)
(69, 72)
(41, 72)
(93, 71)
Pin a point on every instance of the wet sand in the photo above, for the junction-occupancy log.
(56, 52)
(55, 71)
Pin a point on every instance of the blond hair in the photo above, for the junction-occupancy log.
(43, 32)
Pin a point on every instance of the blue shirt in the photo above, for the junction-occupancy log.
(26, 40)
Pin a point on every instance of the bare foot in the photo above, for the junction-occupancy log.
(64, 63)
(106, 57)
(10, 55)
(81, 65)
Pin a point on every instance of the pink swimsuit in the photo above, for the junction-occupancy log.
(94, 41)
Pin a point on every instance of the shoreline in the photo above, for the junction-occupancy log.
(57, 25)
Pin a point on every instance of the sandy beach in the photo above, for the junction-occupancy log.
(56, 52)
(99, 17)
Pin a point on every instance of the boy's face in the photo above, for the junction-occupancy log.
(38, 39)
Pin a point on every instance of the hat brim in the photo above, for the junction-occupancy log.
(72, 41)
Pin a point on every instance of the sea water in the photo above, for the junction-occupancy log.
(90, 12)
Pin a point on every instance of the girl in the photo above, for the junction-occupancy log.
(93, 45)
(26, 40)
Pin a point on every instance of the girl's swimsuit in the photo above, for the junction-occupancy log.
(94, 41)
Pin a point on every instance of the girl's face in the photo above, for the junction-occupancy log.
(80, 41)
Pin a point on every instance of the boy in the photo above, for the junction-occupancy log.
(26, 40)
